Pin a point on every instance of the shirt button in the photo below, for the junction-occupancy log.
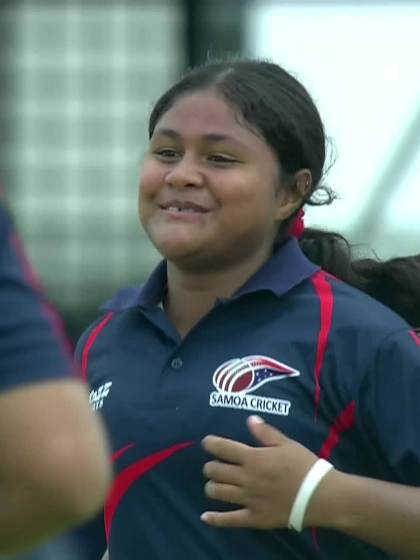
(177, 363)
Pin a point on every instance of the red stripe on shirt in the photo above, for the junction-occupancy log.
(415, 337)
(344, 422)
(91, 341)
(128, 476)
(326, 299)
(121, 452)
(32, 280)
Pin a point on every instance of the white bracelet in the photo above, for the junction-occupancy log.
(307, 488)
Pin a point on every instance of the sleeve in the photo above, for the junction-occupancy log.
(81, 346)
(33, 346)
(91, 538)
(389, 401)
(85, 343)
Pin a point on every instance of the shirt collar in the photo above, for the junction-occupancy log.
(287, 268)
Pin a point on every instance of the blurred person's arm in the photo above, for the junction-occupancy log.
(54, 468)
(105, 556)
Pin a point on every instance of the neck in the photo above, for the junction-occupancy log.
(191, 295)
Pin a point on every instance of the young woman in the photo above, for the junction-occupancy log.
(236, 321)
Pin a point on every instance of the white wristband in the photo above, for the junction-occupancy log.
(307, 488)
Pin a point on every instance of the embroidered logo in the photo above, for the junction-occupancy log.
(97, 396)
(237, 378)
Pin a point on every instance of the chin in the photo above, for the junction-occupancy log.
(174, 250)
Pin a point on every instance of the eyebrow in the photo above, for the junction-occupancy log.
(211, 137)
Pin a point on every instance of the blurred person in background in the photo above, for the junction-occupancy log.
(237, 320)
(54, 469)
(394, 282)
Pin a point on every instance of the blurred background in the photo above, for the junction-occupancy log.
(79, 77)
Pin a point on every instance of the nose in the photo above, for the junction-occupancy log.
(184, 173)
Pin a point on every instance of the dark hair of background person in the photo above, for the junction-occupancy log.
(394, 282)
(272, 103)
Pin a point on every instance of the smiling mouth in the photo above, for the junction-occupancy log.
(181, 208)
(184, 210)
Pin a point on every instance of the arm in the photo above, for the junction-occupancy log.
(388, 409)
(265, 480)
(105, 556)
(383, 514)
(54, 470)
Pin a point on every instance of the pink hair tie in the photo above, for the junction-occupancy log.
(297, 226)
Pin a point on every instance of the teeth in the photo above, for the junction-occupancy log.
(176, 209)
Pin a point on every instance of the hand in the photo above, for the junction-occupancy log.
(263, 480)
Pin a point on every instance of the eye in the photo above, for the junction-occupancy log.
(218, 158)
(166, 154)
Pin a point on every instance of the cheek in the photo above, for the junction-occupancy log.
(251, 193)
(250, 204)
(147, 191)
(142, 202)
(151, 178)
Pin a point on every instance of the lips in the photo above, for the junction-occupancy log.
(183, 206)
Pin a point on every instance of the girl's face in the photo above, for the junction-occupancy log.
(210, 190)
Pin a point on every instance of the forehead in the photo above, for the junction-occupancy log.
(205, 113)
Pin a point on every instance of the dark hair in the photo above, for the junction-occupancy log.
(395, 282)
(277, 105)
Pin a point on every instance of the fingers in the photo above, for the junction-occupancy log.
(249, 477)
(265, 434)
(227, 493)
(223, 472)
(236, 518)
(226, 449)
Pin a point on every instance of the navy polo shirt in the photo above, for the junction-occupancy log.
(32, 346)
(324, 363)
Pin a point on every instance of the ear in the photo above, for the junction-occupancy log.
(291, 195)
(303, 182)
